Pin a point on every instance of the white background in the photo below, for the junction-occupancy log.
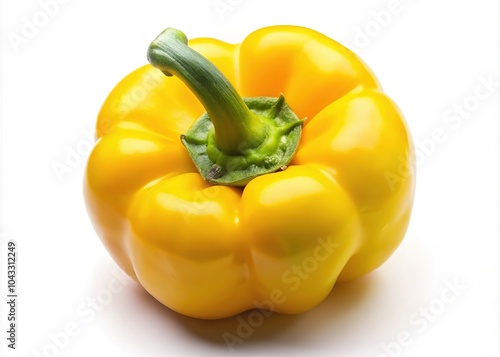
(430, 56)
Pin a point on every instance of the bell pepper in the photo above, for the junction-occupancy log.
(227, 177)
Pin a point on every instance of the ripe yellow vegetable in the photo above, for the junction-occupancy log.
(282, 193)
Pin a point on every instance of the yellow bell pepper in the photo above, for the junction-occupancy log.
(249, 206)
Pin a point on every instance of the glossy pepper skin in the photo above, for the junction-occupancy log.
(212, 251)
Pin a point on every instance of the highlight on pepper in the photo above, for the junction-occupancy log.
(233, 174)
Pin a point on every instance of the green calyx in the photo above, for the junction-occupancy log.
(283, 130)
(236, 139)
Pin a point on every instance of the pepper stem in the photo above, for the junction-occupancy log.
(235, 140)
(236, 127)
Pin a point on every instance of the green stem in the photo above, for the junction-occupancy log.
(235, 140)
(236, 127)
